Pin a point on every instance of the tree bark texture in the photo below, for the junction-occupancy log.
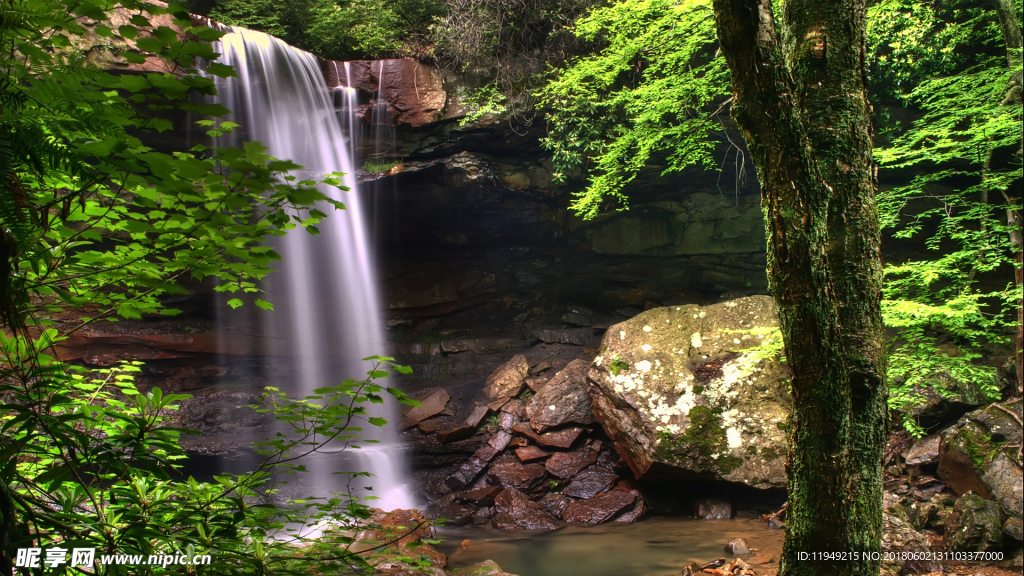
(801, 102)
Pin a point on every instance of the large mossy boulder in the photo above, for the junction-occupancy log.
(980, 454)
(696, 388)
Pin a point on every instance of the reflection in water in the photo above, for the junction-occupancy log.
(659, 546)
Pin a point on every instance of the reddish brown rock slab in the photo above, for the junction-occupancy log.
(486, 453)
(466, 473)
(541, 367)
(519, 442)
(531, 453)
(455, 434)
(506, 420)
(477, 415)
(559, 439)
(516, 407)
(432, 425)
(454, 514)
(432, 402)
(500, 440)
(565, 465)
(511, 473)
(536, 384)
(507, 380)
(563, 400)
(555, 504)
(590, 482)
(498, 404)
(481, 496)
(513, 510)
(599, 508)
(639, 509)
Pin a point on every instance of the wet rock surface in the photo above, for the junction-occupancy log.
(899, 537)
(980, 454)
(563, 400)
(975, 525)
(513, 510)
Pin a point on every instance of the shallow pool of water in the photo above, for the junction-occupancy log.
(657, 546)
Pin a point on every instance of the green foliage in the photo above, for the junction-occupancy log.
(617, 365)
(336, 29)
(381, 165)
(654, 87)
(485, 101)
(963, 183)
(97, 226)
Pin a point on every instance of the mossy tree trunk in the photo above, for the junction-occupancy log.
(800, 99)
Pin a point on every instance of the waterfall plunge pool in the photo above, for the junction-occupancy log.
(654, 546)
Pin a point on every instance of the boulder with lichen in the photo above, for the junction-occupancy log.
(697, 388)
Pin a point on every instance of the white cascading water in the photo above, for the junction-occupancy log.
(327, 311)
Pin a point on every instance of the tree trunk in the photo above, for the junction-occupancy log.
(801, 102)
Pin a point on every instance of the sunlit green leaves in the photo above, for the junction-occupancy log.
(654, 87)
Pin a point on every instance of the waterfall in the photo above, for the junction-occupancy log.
(327, 311)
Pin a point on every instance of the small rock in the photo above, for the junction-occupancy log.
(776, 524)
(559, 439)
(485, 568)
(714, 510)
(512, 509)
(599, 508)
(477, 415)
(563, 400)
(486, 453)
(507, 420)
(974, 525)
(555, 504)
(567, 464)
(507, 380)
(899, 539)
(713, 564)
(455, 434)
(541, 367)
(531, 453)
(590, 482)
(517, 408)
(537, 384)
(500, 440)
(737, 547)
(466, 544)
(511, 473)
(578, 318)
(1012, 529)
(455, 514)
(924, 451)
(760, 560)
(433, 425)
(432, 402)
(466, 473)
(481, 496)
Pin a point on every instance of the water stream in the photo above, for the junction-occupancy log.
(327, 310)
